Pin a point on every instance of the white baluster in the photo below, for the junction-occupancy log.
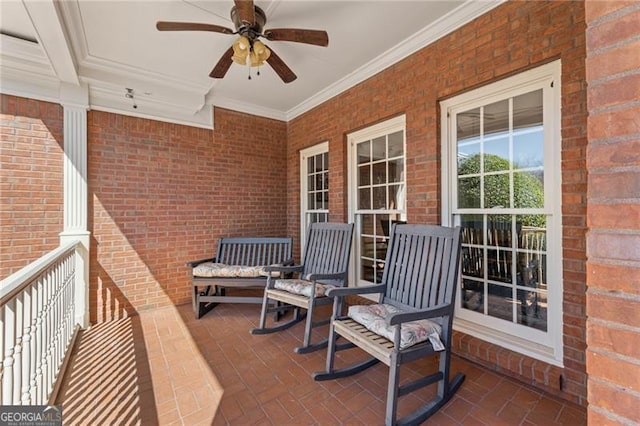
(17, 351)
(2, 325)
(41, 336)
(35, 345)
(9, 343)
(26, 347)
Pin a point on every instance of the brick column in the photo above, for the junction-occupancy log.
(613, 212)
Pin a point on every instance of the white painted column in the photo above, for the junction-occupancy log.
(75, 100)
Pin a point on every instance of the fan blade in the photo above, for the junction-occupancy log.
(280, 67)
(317, 37)
(191, 26)
(246, 11)
(223, 64)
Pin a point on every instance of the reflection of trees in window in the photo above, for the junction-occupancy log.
(528, 191)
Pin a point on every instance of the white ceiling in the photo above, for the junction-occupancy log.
(109, 46)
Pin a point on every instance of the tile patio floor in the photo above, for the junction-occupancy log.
(164, 367)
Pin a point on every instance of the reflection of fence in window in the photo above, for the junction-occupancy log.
(496, 292)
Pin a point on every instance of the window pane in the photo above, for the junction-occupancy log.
(468, 124)
(468, 157)
(496, 155)
(364, 152)
(325, 161)
(499, 230)
(379, 148)
(500, 302)
(380, 197)
(472, 232)
(532, 234)
(527, 109)
(532, 310)
(319, 163)
(364, 173)
(366, 224)
(528, 149)
(473, 295)
(469, 193)
(396, 196)
(367, 271)
(364, 198)
(396, 148)
(319, 181)
(499, 265)
(311, 201)
(310, 164)
(496, 117)
(379, 173)
(367, 246)
(496, 191)
(396, 169)
(528, 190)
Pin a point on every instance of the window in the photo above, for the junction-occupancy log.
(376, 193)
(314, 186)
(501, 184)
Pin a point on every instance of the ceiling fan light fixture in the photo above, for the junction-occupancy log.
(259, 54)
(241, 50)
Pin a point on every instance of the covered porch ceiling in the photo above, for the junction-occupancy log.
(111, 46)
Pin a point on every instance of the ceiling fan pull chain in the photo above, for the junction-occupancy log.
(249, 73)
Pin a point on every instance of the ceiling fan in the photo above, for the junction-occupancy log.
(248, 50)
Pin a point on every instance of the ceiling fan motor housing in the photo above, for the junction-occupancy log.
(252, 32)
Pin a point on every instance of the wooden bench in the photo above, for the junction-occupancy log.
(245, 257)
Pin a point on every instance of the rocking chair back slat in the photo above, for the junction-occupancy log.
(414, 272)
(325, 250)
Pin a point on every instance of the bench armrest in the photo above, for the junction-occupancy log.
(434, 312)
(347, 291)
(195, 263)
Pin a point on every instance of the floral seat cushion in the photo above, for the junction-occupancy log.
(221, 270)
(302, 287)
(373, 318)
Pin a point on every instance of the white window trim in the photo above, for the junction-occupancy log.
(320, 148)
(547, 347)
(383, 128)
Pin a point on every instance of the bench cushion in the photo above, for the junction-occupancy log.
(221, 270)
(302, 287)
(373, 318)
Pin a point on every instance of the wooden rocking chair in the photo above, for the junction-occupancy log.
(325, 266)
(417, 297)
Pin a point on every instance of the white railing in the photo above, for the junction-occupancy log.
(38, 321)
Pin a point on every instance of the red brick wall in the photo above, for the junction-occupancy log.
(613, 267)
(511, 38)
(31, 159)
(161, 194)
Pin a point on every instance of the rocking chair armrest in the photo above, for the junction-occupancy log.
(283, 268)
(434, 312)
(195, 263)
(321, 277)
(347, 291)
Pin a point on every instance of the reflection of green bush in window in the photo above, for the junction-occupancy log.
(528, 190)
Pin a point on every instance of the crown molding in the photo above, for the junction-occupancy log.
(110, 98)
(245, 107)
(28, 84)
(455, 19)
